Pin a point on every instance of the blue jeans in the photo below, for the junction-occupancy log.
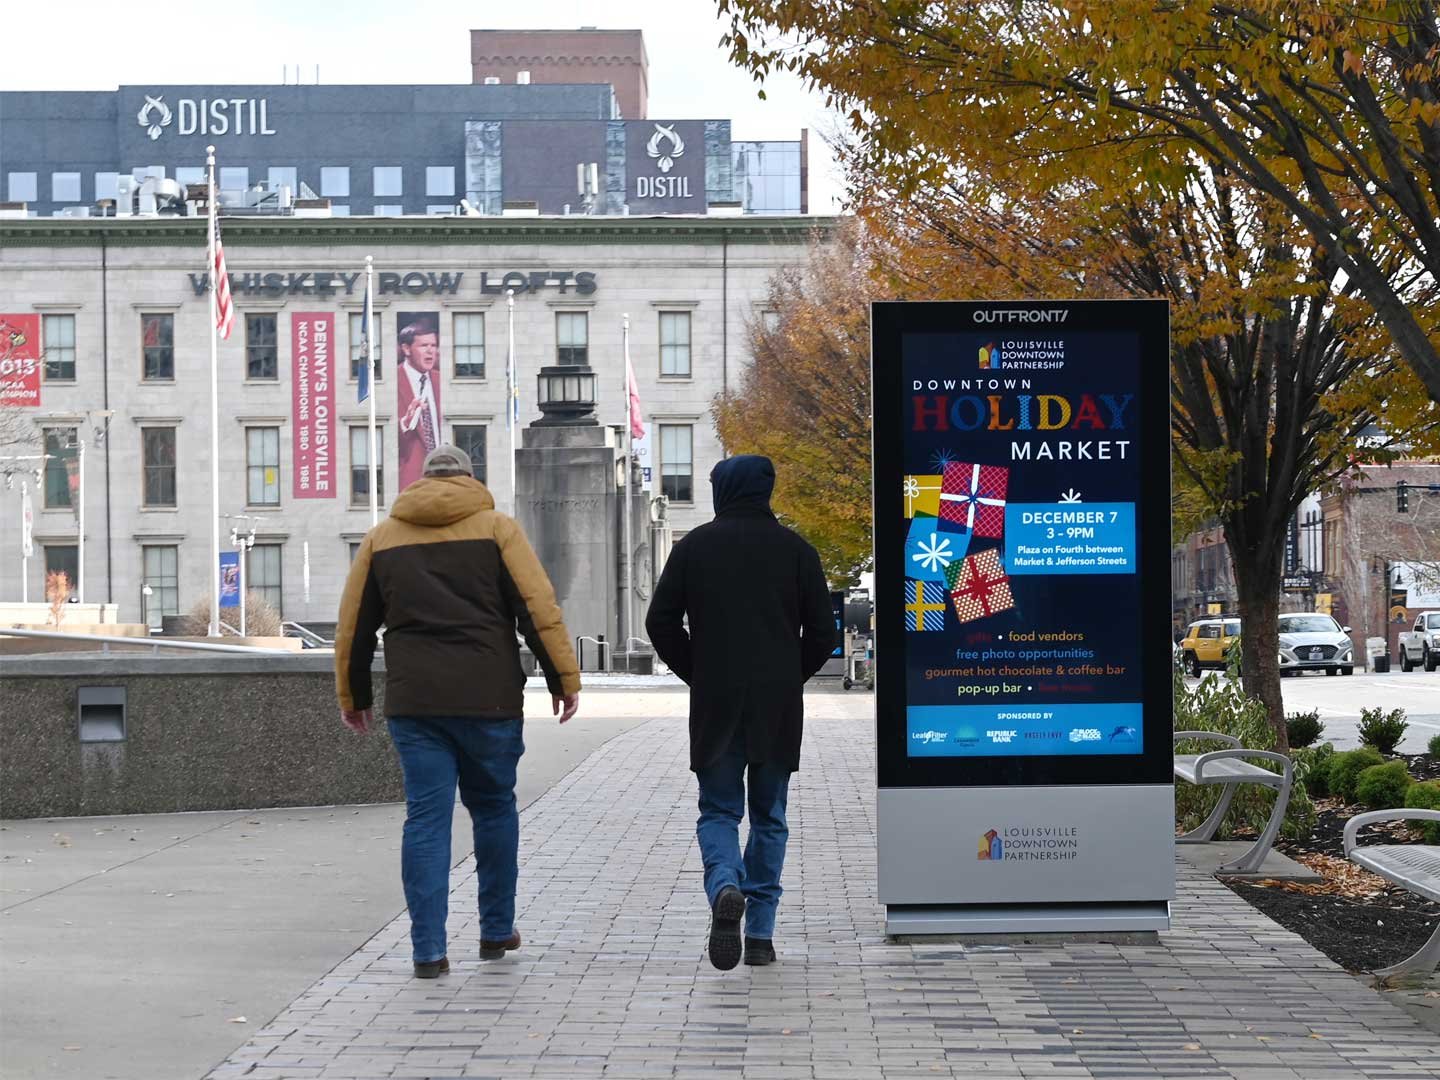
(436, 752)
(722, 803)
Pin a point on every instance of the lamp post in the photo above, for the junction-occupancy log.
(242, 544)
(145, 593)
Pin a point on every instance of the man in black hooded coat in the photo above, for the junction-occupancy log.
(760, 624)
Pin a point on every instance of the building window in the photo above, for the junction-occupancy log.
(262, 574)
(107, 185)
(157, 338)
(278, 176)
(59, 452)
(572, 337)
(388, 209)
(357, 344)
(141, 173)
(770, 321)
(191, 174)
(354, 549)
(471, 439)
(675, 344)
(470, 346)
(59, 338)
(335, 180)
(339, 210)
(162, 575)
(23, 187)
(261, 361)
(677, 468)
(360, 466)
(262, 466)
(157, 449)
(388, 181)
(234, 178)
(65, 187)
(63, 559)
(440, 180)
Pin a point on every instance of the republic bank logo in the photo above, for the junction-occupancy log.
(153, 116)
(665, 160)
(992, 848)
(989, 356)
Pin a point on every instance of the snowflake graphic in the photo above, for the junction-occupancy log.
(935, 556)
(941, 458)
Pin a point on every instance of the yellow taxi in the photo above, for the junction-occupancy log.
(1207, 644)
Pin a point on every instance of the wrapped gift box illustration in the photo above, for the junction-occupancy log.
(922, 496)
(979, 586)
(929, 551)
(924, 605)
(973, 497)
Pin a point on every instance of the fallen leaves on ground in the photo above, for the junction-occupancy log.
(1342, 878)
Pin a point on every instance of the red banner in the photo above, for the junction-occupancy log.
(20, 360)
(312, 400)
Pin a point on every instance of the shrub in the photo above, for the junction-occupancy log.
(1221, 705)
(261, 620)
(1382, 730)
(1382, 787)
(1303, 729)
(1312, 768)
(1434, 746)
(1346, 768)
(1426, 796)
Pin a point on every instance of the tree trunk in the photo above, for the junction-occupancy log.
(1257, 584)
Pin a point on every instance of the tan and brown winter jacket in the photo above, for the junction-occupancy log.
(450, 579)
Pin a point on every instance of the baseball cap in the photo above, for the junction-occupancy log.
(447, 460)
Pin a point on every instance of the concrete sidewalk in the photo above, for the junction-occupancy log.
(130, 946)
(612, 981)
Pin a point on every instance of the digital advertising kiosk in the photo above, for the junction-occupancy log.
(1022, 577)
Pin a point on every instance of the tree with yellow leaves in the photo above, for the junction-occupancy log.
(1329, 109)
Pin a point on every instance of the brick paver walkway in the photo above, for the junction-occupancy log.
(612, 981)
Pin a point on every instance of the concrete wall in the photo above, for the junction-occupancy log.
(202, 734)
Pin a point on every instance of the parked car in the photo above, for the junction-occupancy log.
(1311, 641)
(1421, 644)
(1207, 644)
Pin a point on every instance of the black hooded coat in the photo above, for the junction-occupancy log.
(760, 622)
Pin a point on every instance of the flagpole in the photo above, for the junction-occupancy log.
(512, 396)
(370, 374)
(628, 509)
(214, 412)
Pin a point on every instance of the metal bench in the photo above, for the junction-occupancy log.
(1230, 768)
(1411, 866)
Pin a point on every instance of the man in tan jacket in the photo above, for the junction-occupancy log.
(451, 579)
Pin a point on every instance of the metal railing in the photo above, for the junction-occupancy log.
(606, 655)
(105, 641)
(308, 636)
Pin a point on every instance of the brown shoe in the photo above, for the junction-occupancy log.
(496, 950)
(433, 969)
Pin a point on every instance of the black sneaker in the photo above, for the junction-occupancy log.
(432, 969)
(725, 919)
(759, 951)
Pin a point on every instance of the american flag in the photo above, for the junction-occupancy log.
(224, 309)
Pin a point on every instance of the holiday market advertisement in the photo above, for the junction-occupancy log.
(1021, 563)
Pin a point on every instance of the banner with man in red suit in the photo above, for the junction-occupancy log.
(417, 389)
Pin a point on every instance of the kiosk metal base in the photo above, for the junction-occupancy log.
(1022, 920)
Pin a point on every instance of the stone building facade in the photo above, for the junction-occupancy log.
(126, 329)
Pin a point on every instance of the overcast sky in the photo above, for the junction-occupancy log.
(104, 45)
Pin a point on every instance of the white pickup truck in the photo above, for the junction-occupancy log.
(1421, 645)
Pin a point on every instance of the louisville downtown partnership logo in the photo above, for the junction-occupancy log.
(1029, 843)
(992, 848)
(989, 356)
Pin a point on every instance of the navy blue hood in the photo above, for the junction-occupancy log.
(743, 482)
